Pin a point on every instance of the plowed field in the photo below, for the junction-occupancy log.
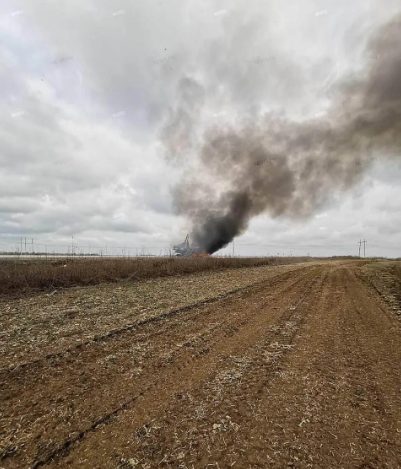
(286, 366)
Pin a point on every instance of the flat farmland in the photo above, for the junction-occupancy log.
(294, 365)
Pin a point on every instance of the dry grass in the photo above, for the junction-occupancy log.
(20, 276)
(385, 277)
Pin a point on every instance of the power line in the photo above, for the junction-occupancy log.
(360, 243)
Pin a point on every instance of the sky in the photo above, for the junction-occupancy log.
(89, 89)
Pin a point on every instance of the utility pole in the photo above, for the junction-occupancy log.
(359, 250)
(364, 247)
(233, 249)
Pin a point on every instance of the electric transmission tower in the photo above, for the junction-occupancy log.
(360, 243)
(364, 247)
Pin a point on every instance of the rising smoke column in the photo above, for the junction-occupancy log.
(291, 168)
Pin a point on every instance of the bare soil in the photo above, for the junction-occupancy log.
(284, 366)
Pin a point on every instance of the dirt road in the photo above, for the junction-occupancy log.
(298, 366)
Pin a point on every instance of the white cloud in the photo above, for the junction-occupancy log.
(85, 88)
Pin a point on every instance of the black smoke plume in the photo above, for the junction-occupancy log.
(291, 168)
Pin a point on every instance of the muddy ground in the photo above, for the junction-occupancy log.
(286, 366)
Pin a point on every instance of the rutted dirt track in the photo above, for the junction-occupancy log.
(298, 367)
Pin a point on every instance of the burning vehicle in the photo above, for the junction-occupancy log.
(187, 249)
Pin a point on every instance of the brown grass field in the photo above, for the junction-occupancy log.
(21, 275)
(266, 366)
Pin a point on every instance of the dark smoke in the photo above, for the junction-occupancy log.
(291, 168)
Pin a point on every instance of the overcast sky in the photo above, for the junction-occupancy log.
(87, 88)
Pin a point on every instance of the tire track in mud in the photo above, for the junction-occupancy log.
(333, 418)
(186, 359)
(215, 413)
(146, 330)
(37, 326)
(25, 379)
(377, 343)
(302, 413)
(246, 338)
(326, 411)
(233, 440)
(303, 371)
(132, 327)
(329, 397)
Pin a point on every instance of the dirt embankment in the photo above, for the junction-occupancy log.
(297, 367)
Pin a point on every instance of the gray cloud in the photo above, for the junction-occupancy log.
(81, 113)
(290, 168)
